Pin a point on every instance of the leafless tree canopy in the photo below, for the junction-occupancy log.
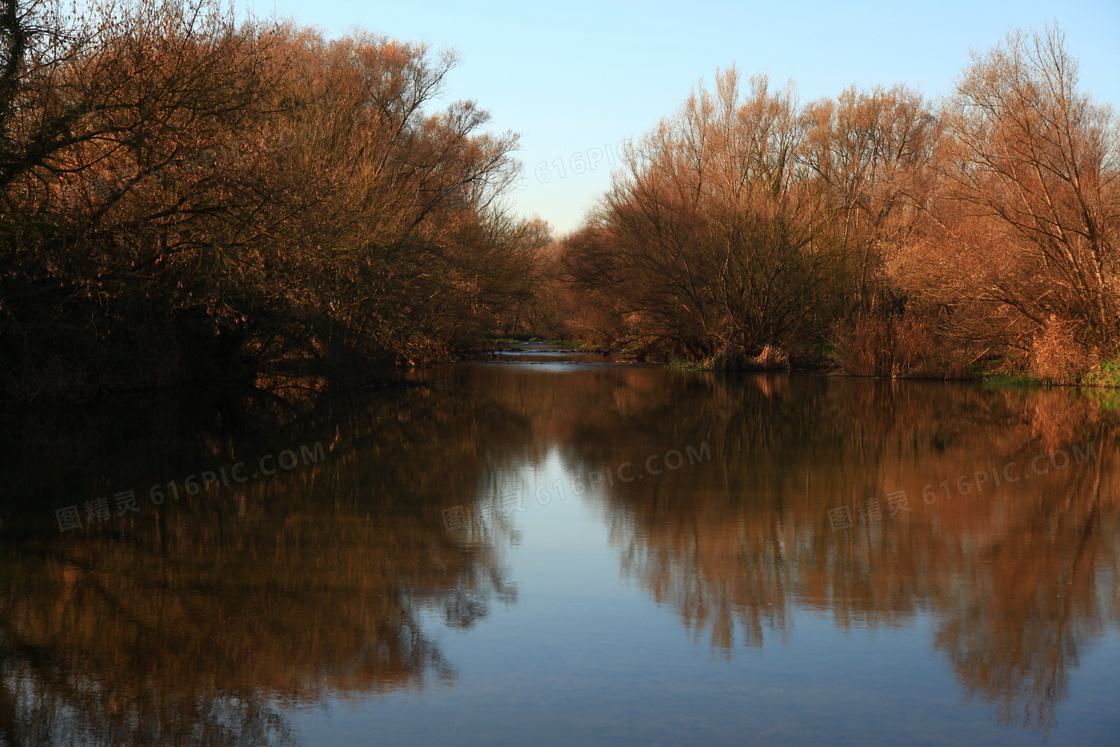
(904, 236)
(186, 195)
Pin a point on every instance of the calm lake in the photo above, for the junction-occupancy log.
(553, 549)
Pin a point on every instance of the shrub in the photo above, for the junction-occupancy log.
(894, 345)
(1056, 354)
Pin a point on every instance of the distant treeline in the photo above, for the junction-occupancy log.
(190, 196)
(880, 231)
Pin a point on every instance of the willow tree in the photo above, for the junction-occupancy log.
(1037, 167)
(190, 195)
(708, 241)
(874, 154)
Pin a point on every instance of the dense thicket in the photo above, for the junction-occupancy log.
(184, 195)
(903, 237)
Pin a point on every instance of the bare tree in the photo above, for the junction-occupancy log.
(1038, 159)
(709, 242)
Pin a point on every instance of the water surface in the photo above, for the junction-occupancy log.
(567, 551)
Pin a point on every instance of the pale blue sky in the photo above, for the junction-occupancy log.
(573, 77)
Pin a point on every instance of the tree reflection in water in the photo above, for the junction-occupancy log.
(197, 623)
(203, 621)
(1019, 577)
